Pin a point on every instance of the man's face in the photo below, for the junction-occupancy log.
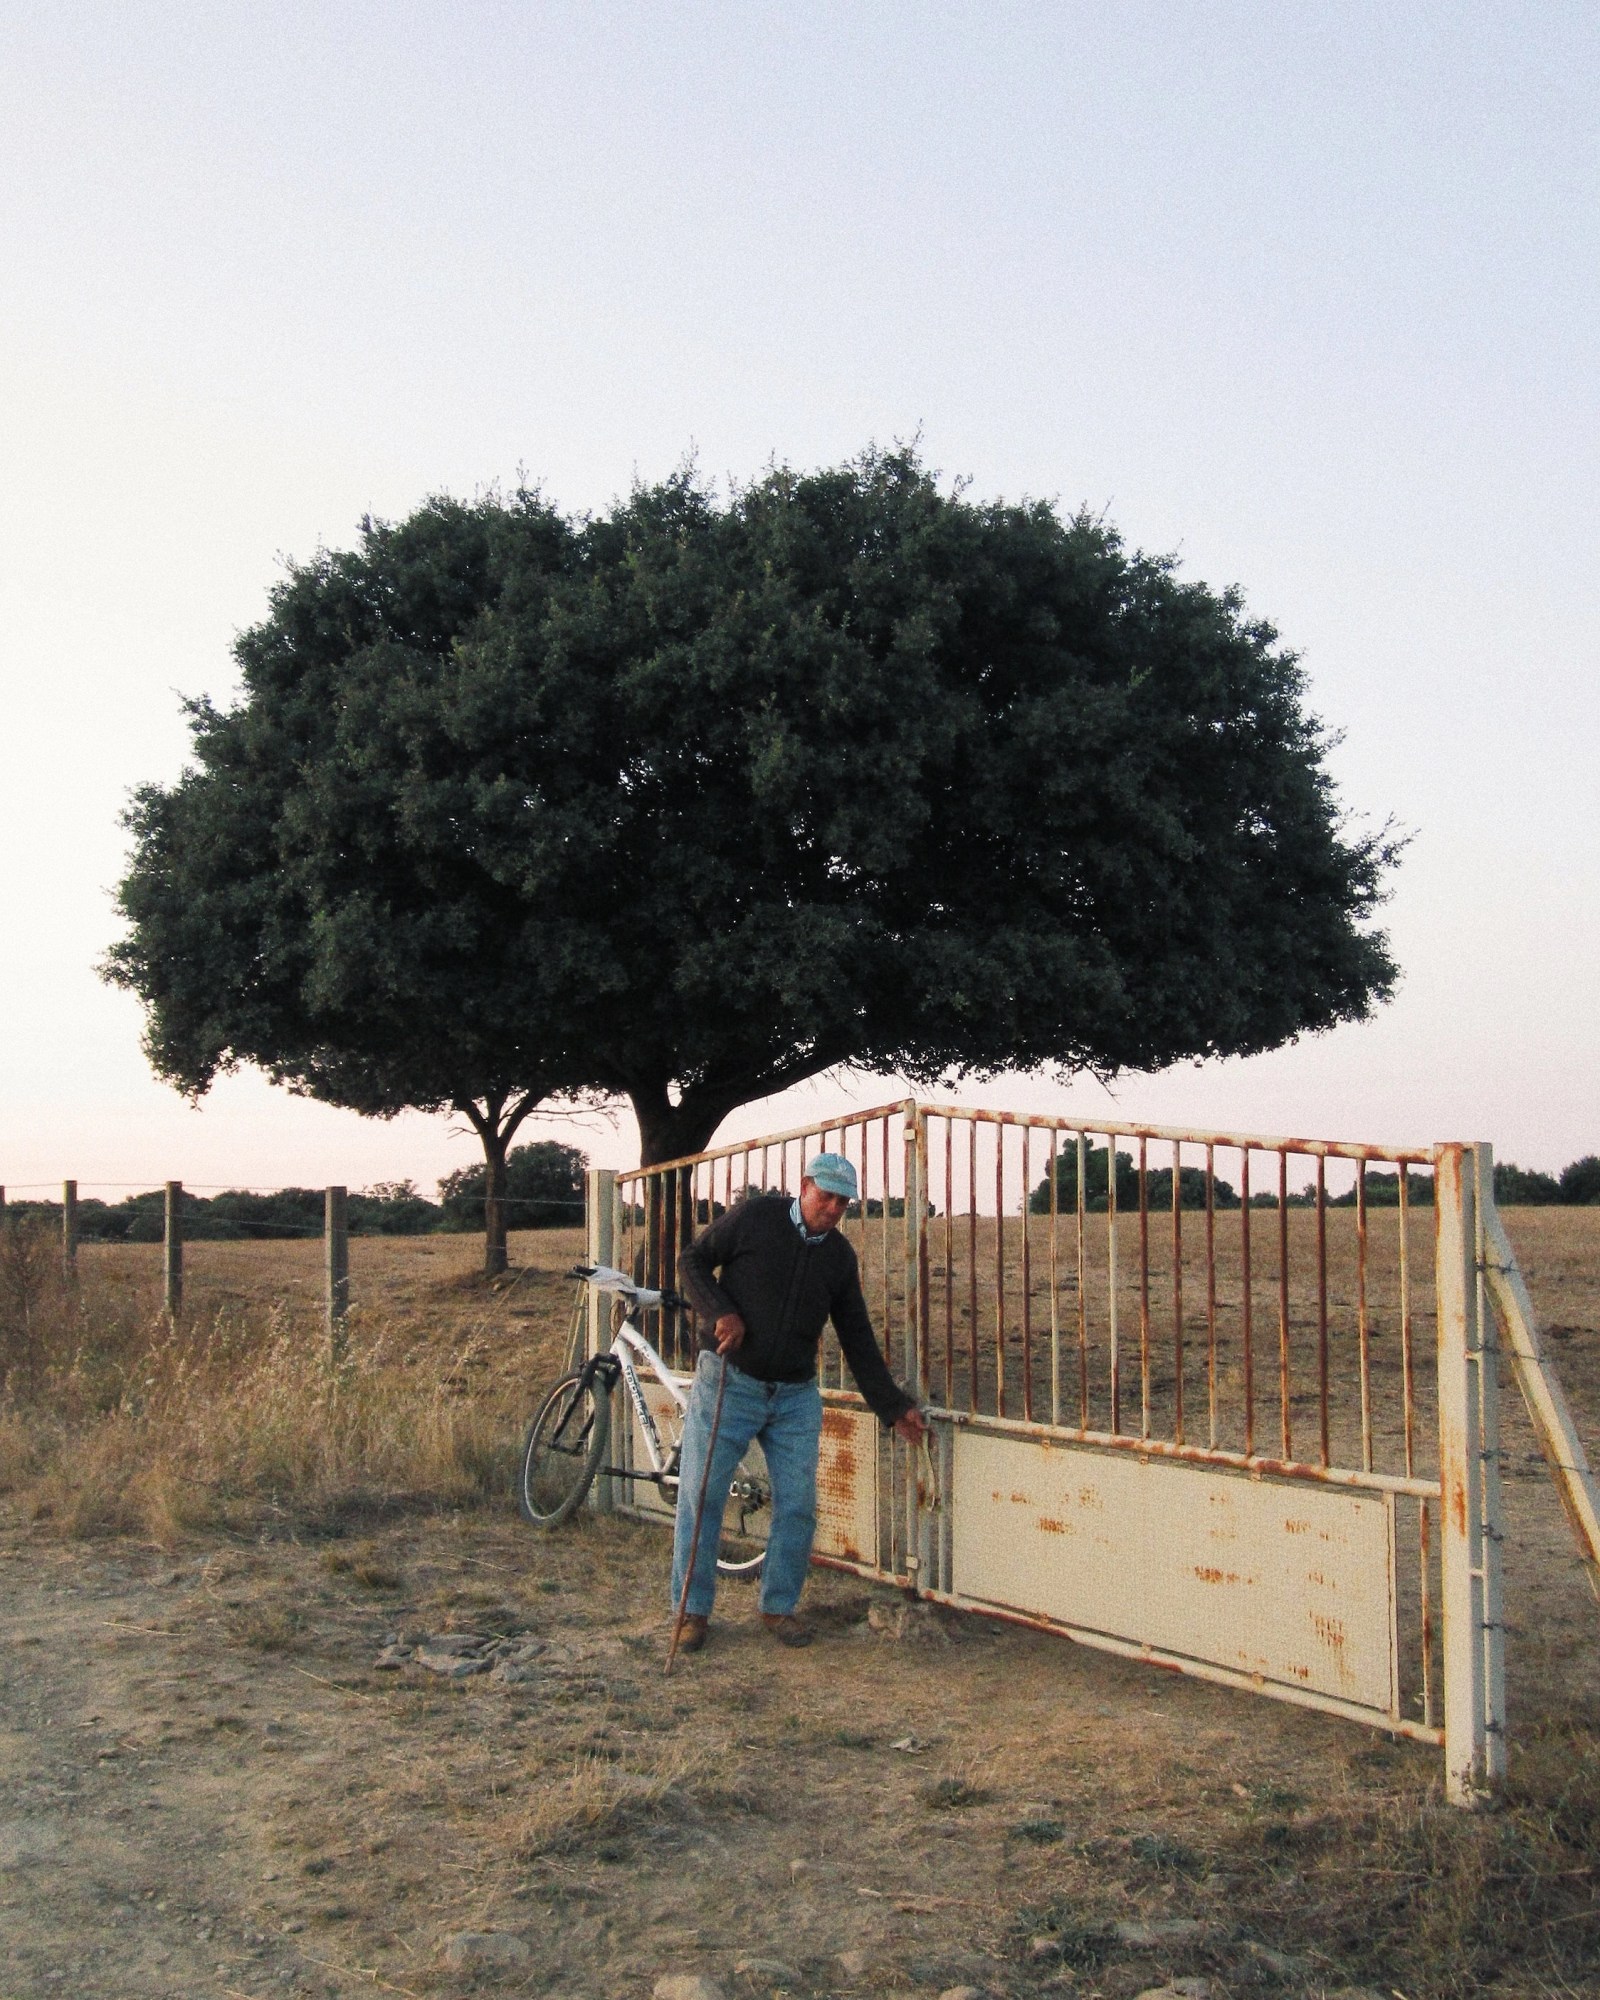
(820, 1210)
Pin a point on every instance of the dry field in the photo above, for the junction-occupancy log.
(207, 1788)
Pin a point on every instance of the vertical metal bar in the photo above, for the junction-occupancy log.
(1490, 1520)
(1144, 1292)
(1177, 1287)
(69, 1228)
(1247, 1302)
(972, 1255)
(1466, 1750)
(1111, 1284)
(888, 1301)
(1055, 1277)
(1000, 1268)
(1407, 1359)
(1027, 1278)
(1430, 1713)
(917, 1266)
(1322, 1300)
(336, 1271)
(1408, 1382)
(1083, 1275)
(1211, 1293)
(949, 1264)
(1363, 1326)
(916, 1248)
(172, 1252)
(1283, 1301)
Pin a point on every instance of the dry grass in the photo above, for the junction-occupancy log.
(113, 1421)
(597, 1798)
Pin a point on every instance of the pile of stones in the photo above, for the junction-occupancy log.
(457, 1656)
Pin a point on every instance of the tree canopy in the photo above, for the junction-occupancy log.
(690, 801)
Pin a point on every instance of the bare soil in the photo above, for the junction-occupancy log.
(207, 1788)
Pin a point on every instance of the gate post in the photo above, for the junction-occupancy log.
(600, 1246)
(1469, 1445)
(919, 1523)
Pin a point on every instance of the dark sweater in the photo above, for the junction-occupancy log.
(754, 1262)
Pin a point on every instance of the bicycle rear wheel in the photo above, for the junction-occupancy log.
(562, 1449)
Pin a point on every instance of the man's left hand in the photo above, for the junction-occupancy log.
(913, 1426)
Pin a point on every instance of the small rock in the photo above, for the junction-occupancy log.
(454, 1666)
(1355, 1993)
(1044, 1949)
(962, 1993)
(908, 1621)
(1179, 1989)
(687, 1986)
(456, 1642)
(770, 1971)
(512, 1673)
(484, 1951)
(392, 1657)
(1283, 1963)
(853, 1964)
(1150, 1933)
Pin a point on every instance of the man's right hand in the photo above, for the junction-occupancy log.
(728, 1333)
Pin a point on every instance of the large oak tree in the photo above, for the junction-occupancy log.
(691, 801)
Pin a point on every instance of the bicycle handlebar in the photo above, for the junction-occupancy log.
(605, 1279)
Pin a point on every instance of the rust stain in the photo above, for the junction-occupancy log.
(1052, 1527)
(1020, 1500)
(1455, 1503)
(1297, 1527)
(1207, 1575)
(1330, 1631)
(1089, 1496)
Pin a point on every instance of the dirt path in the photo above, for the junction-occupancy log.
(207, 1788)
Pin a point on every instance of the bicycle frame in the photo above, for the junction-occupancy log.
(617, 1361)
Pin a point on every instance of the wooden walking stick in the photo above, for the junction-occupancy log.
(699, 1514)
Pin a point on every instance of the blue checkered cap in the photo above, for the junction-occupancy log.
(833, 1173)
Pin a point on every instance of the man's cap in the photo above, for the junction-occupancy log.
(833, 1173)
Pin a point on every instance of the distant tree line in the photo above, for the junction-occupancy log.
(1576, 1186)
(544, 1191)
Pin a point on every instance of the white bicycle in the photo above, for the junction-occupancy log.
(566, 1442)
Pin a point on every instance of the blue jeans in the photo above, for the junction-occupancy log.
(786, 1419)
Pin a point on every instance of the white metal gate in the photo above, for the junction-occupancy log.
(1182, 1409)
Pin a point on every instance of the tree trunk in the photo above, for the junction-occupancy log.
(670, 1131)
(496, 1132)
(495, 1148)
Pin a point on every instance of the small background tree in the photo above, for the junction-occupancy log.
(544, 1189)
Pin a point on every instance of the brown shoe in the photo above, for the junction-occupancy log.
(692, 1638)
(786, 1628)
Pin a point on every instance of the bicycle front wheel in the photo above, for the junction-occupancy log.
(562, 1450)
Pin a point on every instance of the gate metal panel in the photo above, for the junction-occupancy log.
(1279, 1581)
(847, 1485)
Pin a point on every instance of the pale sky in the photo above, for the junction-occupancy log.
(1306, 294)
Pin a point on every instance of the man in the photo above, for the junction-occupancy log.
(764, 1277)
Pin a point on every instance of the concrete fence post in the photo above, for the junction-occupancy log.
(336, 1251)
(600, 1247)
(172, 1252)
(69, 1228)
(1469, 1457)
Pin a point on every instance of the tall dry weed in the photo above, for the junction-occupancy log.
(113, 1420)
